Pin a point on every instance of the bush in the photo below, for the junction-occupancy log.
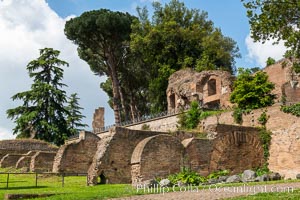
(191, 118)
(217, 174)
(187, 176)
(146, 127)
(293, 109)
(238, 115)
(263, 170)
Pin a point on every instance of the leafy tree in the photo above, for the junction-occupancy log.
(74, 116)
(276, 19)
(101, 36)
(252, 91)
(270, 61)
(42, 115)
(175, 38)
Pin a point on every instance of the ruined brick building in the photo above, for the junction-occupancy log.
(131, 155)
(210, 88)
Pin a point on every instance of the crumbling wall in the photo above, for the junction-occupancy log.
(235, 148)
(113, 155)
(24, 161)
(22, 146)
(10, 160)
(209, 88)
(42, 161)
(156, 156)
(98, 119)
(197, 154)
(76, 156)
(285, 143)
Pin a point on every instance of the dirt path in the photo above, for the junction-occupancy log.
(215, 192)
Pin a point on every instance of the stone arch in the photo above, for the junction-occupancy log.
(237, 151)
(103, 179)
(156, 156)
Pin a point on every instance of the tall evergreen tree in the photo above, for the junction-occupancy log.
(75, 117)
(42, 115)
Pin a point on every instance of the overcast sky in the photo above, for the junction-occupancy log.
(29, 25)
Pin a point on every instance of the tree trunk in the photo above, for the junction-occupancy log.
(115, 87)
(123, 102)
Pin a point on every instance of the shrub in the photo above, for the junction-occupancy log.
(146, 127)
(187, 176)
(191, 118)
(293, 109)
(217, 174)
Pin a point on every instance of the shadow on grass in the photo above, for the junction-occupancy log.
(14, 182)
(22, 187)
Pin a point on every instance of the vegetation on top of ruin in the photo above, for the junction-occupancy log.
(292, 109)
(251, 91)
(190, 119)
(43, 114)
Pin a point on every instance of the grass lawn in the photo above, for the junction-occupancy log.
(74, 187)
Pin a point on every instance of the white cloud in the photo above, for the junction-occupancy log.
(5, 134)
(25, 27)
(259, 52)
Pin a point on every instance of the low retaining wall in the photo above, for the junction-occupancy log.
(22, 146)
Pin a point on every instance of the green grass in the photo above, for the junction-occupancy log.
(74, 187)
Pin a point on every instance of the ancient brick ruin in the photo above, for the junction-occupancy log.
(76, 155)
(130, 155)
(20, 153)
(287, 86)
(210, 88)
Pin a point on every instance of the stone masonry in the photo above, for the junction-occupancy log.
(23, 146)
(209, 88)
(77, 155)
(113, 155)
(42, 161)
(285, 79)
(156, 156)
(98, 119)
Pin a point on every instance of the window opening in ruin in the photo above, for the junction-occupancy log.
(212, 87)
(102, 179)
(172, 101)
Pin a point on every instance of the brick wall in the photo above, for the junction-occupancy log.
(22, 146)
(285, 143)
(42, 161)
(10, 160)
(235, 148)
(197, 154)
(24, 161)
(113, 155)
(156, 156)
(77, 155)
